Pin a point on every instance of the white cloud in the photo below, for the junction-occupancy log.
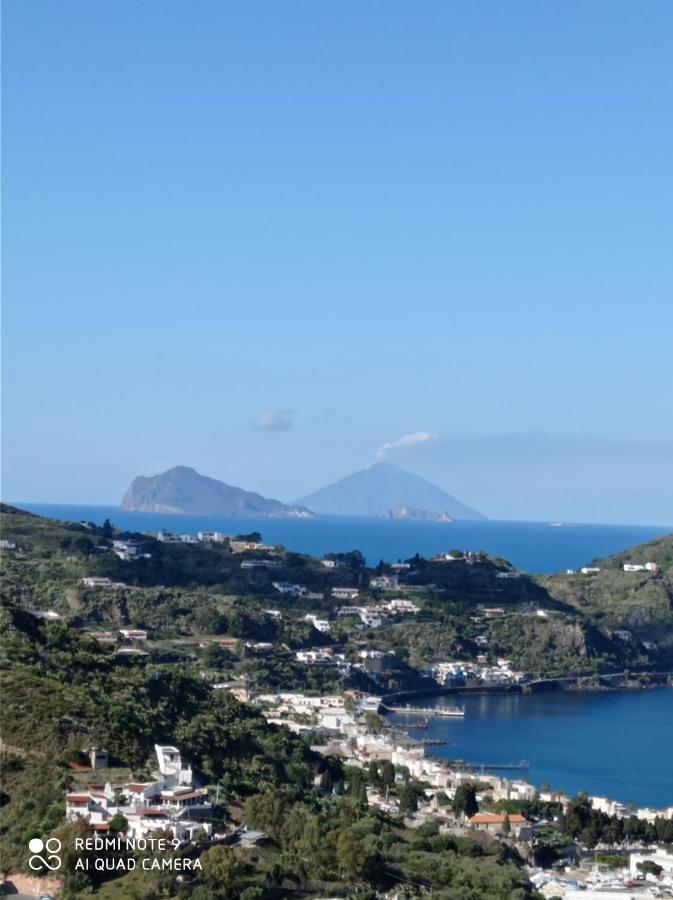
(409, 440)
(275, 421)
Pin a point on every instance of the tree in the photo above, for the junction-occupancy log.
(373, 776)
(408, 796)
(84, 545)
(358, 787)
(648, 867)
(214, 656)
(252, 893)
(326, 780)
(506, 825)
(221, 870)
(267, 811)
(209, 620)
(254, 537)
(351, 855)
(578, 814)
(373, 721)
(119, 824)
(387, 773)
(465, 801)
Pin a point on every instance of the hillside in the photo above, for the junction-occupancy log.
(613, 599)
(184, 490)
(183, 591)
(65, 690)
(381, 491)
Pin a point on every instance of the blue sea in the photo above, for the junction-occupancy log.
(536, 547)
(616, 744)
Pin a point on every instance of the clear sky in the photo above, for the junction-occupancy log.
(267, 238)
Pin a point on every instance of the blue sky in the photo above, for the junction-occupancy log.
(264, 239)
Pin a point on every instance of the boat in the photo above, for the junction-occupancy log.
(443, 711)
(451, 711)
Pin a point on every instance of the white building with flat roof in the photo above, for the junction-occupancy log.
(170, 764)
(345, 593)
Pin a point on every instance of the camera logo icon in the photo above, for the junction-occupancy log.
(51, 847)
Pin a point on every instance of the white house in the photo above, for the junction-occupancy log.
(216, 537)
(166, 803)
(402, 607)
(292, 590)
(243, 546)
(384, 583)
(126, 550)
(323, 657)
(321, 625)
(171, 766)
(641, 567)
(335, 719)
(369, 618)
(133, 634)
(345, 593)
(165, 537)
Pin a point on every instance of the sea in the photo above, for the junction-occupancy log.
(615, 744)
(535, 547)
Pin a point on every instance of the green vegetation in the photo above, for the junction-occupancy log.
(558, 645)
(64, 691)
(191, 591)
(638, 602)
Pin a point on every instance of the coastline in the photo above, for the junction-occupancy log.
(595, 682)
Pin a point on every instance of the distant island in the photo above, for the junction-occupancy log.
(183, 490)
(410, 514)
(387, 491)
(382, 491)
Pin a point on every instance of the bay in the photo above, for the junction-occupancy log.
(536, 547)
(616, 744)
